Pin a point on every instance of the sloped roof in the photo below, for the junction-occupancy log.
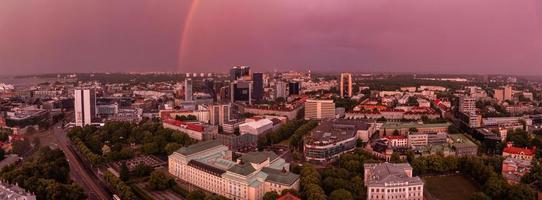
(198, 147)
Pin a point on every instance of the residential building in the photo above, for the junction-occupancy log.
(513, 169)
(281, 89)
(319, 109)
(345, 89)
(397, 140)
(392, 181)
(84, 106)
(209, 165)
(467, 104)
(518, 153)
(258, 86)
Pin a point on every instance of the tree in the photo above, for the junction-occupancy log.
(453, 129)
(494, 187)
(395, 158)
(124, 173)
(142, 170)
(172, 147)
(520, 192)
(479, 196)
(196, 195)
(20, 147)
(270, 195)
(159, 181)
(396, 132)
(413, 130)
(341, 194)
(2, 153)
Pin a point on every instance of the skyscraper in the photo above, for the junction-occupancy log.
(84, 106)
(345, 77)
(281, 89)
(238, 72)
(219, 114)
(188, 89)
(257, 83)
(241, 91)
(293, 88)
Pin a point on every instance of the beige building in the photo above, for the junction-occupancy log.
(319, 109)
(209, 165)
(504, 93)
(392, 181)
(346, 81)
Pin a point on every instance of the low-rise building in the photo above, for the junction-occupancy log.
(328, 141)
(462, 146)
(513, 169)
(14, 192)
(518, 153)
(392, 181)
(209, 165)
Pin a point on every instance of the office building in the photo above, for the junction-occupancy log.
(293, 88)
(84, 106)
(257, 83)
(392, 181)
(319, 109)
(345, 89)
(241, 91)
(209, 165)
(239, 72)
(281, 89)
(219, 114)
(188, 90)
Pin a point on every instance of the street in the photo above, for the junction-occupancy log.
(87, 180)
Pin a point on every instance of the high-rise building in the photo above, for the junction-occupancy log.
(467, 104)
(503, 94)
(319, 109)
(293, 88)
(281, 89)
(257, 82)
(238, 72)
(84, 106)
(345, 92)
(241, 91)
(219, 114)
(209, 87)
(188, 89)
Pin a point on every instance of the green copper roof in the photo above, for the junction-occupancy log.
(258, 157)
(280, 176)
(200, 146)
(242, 169)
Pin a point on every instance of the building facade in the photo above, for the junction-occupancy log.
(345, 85)
(319, 109)
(84, 106)
(392, 181)
(209, 165)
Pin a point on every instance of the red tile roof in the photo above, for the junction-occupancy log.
(519, 150)
(288, 196)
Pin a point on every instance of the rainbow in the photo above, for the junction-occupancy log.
(185, 31)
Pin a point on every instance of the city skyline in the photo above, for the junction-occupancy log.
(500, 36)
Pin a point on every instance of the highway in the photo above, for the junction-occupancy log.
(78, 172)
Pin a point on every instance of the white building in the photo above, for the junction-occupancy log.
(188, 89)
(219, 114)
(392, 181)
(319, 109)
(467, 104)
(256, 127)
(281, 89)
(208, 165)
(14, 192)
(84, 106)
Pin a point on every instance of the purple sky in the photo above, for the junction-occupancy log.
(445, 36)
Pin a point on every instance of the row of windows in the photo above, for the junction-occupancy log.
(395, 189)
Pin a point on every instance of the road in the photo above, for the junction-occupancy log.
(78, 172)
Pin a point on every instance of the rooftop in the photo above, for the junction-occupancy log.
(399, 125)
(200, 146)
(388, 173)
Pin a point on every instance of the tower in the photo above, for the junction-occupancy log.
(345, 77)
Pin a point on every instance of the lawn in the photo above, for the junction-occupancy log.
(449, 187)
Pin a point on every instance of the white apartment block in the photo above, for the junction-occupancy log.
(209, 165)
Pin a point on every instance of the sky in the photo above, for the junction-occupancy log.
(423, 36)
